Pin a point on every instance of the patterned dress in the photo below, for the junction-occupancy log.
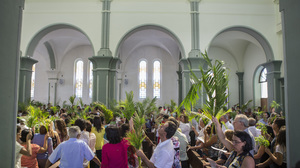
(176, 144)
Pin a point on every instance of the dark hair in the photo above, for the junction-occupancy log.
(113, 134)
(281, 137)
(97, 123)
(171, 129)
(43, 130)
(279, 122)
(24, 134)
(88, 126)
(61, 126)
(270, 131)
(174, 121)
(18, 128)
(166, 116)
(244, 137)
(81, 123)
(185, 118)
(124, 128)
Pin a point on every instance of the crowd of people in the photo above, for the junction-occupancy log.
(93, 143)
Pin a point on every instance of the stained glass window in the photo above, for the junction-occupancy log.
(32, 82)
(78, 78)
(142, 79)
(91, 80)
(156, 79)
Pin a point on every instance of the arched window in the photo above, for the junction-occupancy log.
(156, 79)
(142, 79)
(91, 80)
(78, 78)
(264, 83)
(32, 82)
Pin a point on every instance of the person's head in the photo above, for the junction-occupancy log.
(18, 132)
(242, 142)
(81, 123)
(88, 126)
(277, 124)
(266, 115)
(60, 126)
(281, 137)
(229, 134)
(74, 132)
(24, 134)
(224, 118)
(184, 118)
(113, 134)
(165, 117)
(252, 122)
(43, 130)
(167, 130)
(174, 121)
(240, 122)
(124, 129)
(98, 123)
(269, 132)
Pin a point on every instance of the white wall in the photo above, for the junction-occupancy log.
(252, 58)
(216, 53)
(169, 85)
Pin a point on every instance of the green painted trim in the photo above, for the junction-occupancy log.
(51, 55)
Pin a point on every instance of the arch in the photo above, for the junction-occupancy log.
(150, 26)
(256, 35)
(37, 37)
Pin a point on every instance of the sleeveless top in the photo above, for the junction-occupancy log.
(176, 145)
(235, 161)
(54, 141)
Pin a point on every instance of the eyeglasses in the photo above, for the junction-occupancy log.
(236, 142)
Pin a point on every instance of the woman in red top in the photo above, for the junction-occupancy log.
(31, 161)
(114, 153)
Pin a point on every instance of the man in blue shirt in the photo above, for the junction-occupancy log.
(72, 152)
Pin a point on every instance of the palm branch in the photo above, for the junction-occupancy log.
(129, 106)
(215, 83)
(72, 99)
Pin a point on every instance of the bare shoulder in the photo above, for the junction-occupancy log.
(248, 162)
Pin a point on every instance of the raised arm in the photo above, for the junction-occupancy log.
(27, 151)
(221, 135)
(45, 147)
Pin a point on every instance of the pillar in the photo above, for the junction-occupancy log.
(113, 79)
(25, 78)
(241, 87)
(101, 72)
(185, 78)
(10, 21)
(273, 76)
(195, 51)
(290, 12)
(104, 50)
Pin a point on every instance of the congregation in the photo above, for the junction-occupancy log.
(240, 138)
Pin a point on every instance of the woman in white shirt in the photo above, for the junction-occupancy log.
(185, 126)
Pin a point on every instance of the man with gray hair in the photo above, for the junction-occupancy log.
(241, 123)
(227, 124)
(72, 152)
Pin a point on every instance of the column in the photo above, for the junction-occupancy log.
(196, 63)
(25, 78)
(180, 98)
(195, 51)
(290, 12)
(52, 86)
(113, 79)
(10, 20)
(241, 87)
(101, 69)
(185, 78)
(273, 75)
(104, 50)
